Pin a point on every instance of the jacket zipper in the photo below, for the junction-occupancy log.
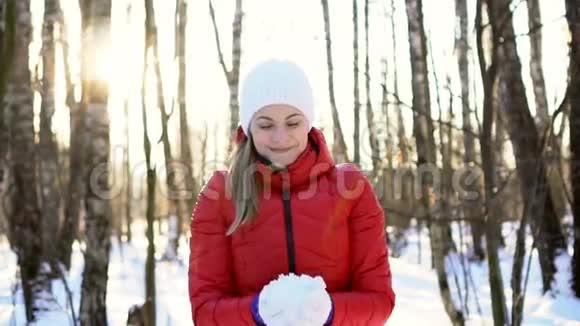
(289, 231)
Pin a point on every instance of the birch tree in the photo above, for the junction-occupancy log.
(93, 310)
(150, 290)
(536, 67)
(47, 148)
(26, 217)
(171, 166)
(339, 151)
(542, 115)
(128, 177)
(128, 184)
(401, 133)
(573, 17)
(423, 129)
(5, 59)
(472, 207)
(233, 74)
(77, 143)
(488, 73)
(528, 150)
(184, 134)
(371, 125)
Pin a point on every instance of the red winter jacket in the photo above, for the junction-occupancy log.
(315, 219)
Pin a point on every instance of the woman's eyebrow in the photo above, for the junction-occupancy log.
(293, 115)
(288, 117)
(264, 117)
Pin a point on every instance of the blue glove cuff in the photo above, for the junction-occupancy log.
(255, 311)
(331, 314)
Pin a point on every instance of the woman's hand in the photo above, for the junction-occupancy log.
(293, 300)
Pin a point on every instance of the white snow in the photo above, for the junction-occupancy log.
(294, 299)
(415, 284)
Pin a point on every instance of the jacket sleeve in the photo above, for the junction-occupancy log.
(211, 288)
(371, 299)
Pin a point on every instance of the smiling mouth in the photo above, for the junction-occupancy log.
(280, 150)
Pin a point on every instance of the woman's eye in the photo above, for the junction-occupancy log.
(293, 124)
(265, 127)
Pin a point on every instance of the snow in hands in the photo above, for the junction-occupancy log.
(295, 300)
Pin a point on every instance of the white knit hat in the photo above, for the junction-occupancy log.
(275, 82)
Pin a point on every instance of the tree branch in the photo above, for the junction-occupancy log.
(398, 101)
(218, 43)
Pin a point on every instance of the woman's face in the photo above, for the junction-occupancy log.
(280, 133)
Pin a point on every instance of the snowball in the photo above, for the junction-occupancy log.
(292, 300)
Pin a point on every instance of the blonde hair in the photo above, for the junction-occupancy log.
(243, 185)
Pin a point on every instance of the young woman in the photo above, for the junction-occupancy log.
(284, 207)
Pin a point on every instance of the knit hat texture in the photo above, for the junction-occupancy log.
(275, 82)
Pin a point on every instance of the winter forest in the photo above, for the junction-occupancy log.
(463, 114)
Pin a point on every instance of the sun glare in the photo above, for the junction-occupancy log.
(104, 64)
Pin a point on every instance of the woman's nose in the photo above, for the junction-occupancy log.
(279, 135)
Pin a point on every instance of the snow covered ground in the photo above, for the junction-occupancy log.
(418, 297)
(418, 300)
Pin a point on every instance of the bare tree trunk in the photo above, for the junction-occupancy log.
(70, 226)
(47, 148)
(401, 134)
(471, 207)
(76, 184)
(444, 200)
(117, 205)
(6, 33)
(173, 191)
(542, 115)
(339, 151)
(527, 148)
(536, 70)
(387, 172)
(128, 176)
(233, 75)
(356, 135)
(186, 158)
(423, 128)
(2, 25)
(385, 109)
(127, 173)
(93, 310)
(150, 293)
(180, 47)
(488, 76)
(423, 131)
(371, 125)
(4, 174)
(491, 83)
(498, 146)
(516, 278)
(573, 17)
(500, 208)
(25, 220)
(448, 162)
(6, 38)
(403, 143)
